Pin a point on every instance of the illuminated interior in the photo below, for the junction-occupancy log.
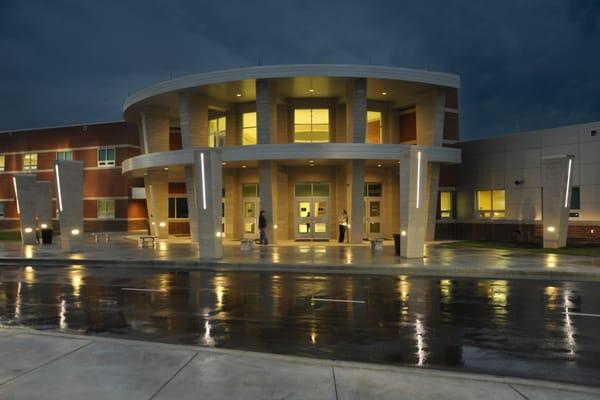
(311, 125)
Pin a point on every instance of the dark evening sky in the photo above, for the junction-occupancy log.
(523, 64)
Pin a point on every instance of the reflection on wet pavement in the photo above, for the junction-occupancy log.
(537, 329)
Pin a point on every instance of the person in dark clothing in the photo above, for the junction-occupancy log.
(262, 226)
(343, 224)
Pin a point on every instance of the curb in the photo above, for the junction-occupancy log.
(327, 269)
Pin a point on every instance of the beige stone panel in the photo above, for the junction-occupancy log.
(155, 130)
(43, 204)
(430, 117)
(25, 194)
(156, 184)
(69, 187)
(556, 184)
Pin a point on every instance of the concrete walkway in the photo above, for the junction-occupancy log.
(314, 257)
(35, 365)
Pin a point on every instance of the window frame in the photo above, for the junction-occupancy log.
(105, 214)
(494, 213)
(217, 138)
(175, 216)
(311, 132)
(106, 163)
(380, 127)
(442, 213)
(573, 190)
(29, 166)
(255, 127)
(64, 152)
(2, 162)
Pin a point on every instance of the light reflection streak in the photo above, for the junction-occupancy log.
(76, 277)
(63, 315)
(18, 303)
(208, 340)
(551, 260)
(569, 328)
(420, 338)
(28, 251)
(29, 275)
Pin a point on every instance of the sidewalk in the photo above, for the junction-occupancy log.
(315, 258)
(56, 366)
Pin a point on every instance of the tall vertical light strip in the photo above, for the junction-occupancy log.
(203, 181)
(16, 195)
(568, 183)
(418, 178)
(58, 189)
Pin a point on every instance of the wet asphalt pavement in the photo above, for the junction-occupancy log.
(527, 328)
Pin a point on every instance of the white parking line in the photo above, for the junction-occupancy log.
(130, 289)
(337, 300)
(582, 314)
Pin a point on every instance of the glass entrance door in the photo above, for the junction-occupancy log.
(312, 211)
(373, 210)
(250, 211)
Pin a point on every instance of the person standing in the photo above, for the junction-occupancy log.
(343, 224)
(262, 226)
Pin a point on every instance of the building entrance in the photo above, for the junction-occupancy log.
(250, 210)
(312, 211)
(373, 209)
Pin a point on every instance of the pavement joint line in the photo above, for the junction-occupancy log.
(174, 375)
(334, 382)
(337, 300)
(518, 391)
(141, 290)
(578, 314)
(14, 378)
(401, 369)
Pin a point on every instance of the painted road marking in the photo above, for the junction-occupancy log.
(582, 314)
(337, 300)
(130, 289)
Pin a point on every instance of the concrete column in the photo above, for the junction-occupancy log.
(267, 184)
(155, 130)
(413, 202)
(266, 112)
(193, 118)
(156, 184)
(25, 194)
(356, 111)
(355, 200)
(430, 132)
(43, 205)
(69, 193)
(430, 117)
(557, 180)
(208, 183)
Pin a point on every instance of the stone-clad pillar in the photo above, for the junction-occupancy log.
(157, 200)
(266, 112)
(356, 111)
(155, 130)
(69, 194)
(43, 204)
(557, 181)
(356, 190)
(25, 194)
(208, 182)
(193, 118)
(267, 178)
(413, 202)
(430, 112)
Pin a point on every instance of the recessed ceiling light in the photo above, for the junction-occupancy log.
(243, 166)
(384, 93)
(311, 90)
(223, 163)
(311, 161)
(238, 94)
(379, 165)
(166, 168)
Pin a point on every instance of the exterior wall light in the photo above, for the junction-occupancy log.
(418, 178)
(75, 232)
(28, 230)
(58, 190)
(162, 224)
(384, 93)
(275, 226)
(403, 233)
(592, 231)
(568, 183)
(16, 195)
(238, 95)
(550, 229)
(218, 234)
(43, 226)
(203, 181)
(153, 223)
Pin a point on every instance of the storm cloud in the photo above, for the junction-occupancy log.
(523, 64)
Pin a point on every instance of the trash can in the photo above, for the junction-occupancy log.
(46, 236)
(397, 243)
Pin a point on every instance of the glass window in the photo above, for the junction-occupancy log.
(106, 208)
(64, 155)
(217, 129)
(373, 189)
(303, 189)
(575, 198)
(1, 163)
(106, 157)
(1, 210)
(491, 203)
(249, 128)
(30, 161)
(250, 190)
(445, 204)
(374, 127)
(178, 208)
(311, 125)
(321, 189)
